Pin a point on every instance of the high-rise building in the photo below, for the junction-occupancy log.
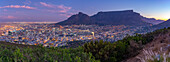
(92, 33)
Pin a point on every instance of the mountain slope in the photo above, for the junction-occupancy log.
(164, 24)
(152, 20)
(126, 17)
(130, 47)
(159, 46)
(10, 52)
(79, 18)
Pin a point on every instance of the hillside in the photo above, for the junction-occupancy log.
(164, 24)
(159, 46)
(131, 48)
(10, 52)
(126, 17)
(152, 20)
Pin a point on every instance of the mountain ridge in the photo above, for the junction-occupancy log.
(163, 24)
(152, 20)
(108, 18)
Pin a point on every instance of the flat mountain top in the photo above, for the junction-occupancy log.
(126, 17)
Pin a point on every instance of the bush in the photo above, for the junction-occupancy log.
(13, 53)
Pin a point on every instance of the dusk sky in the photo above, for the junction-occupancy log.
(59, 10)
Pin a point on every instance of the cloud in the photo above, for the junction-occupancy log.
(18, 6)
(46, 5)
(56, 8)
(8, 17)
(64, 8)
(11, 17)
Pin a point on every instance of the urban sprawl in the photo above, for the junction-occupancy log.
(55, 36)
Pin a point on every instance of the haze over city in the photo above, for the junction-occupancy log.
(59, 10)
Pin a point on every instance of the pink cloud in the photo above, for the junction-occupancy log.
(11, 17)
(58, 8)
(63, 8)
(8, 17)
(45, 4)
(18, 6)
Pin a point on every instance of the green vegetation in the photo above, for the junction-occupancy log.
(94, 51)
(122, 49)
(22, 53)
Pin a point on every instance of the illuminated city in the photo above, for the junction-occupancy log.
(34, 34)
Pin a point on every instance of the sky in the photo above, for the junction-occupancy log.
(59, 10)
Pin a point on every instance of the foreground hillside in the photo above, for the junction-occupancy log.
(157, 50)
(130, 49)
(131, 46)
(23, 53)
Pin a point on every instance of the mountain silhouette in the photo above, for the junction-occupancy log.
(126, 17)
(164, 24)
(152, 20)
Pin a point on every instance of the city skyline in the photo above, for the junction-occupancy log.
(59, 10)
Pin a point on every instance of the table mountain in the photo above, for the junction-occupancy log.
(126, 17)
